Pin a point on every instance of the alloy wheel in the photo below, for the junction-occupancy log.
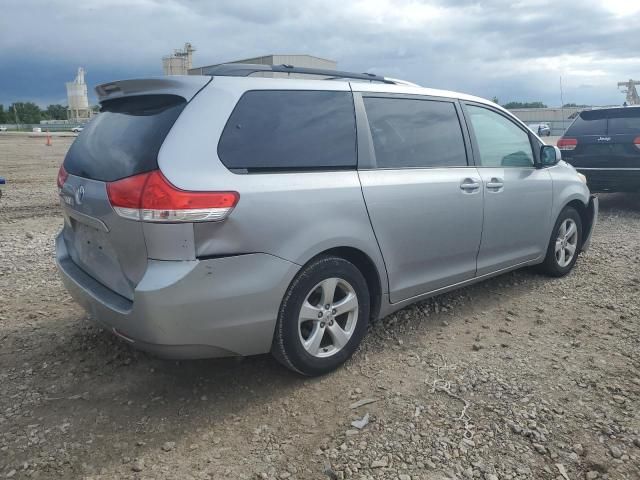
(566, 242)
(328, 317)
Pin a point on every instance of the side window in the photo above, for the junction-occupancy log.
(290, 130)
(415, 133)
(501, 142)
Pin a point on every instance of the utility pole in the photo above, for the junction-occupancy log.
(15, 116)
(562, 104)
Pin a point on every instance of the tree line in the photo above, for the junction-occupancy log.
(512, 105)
(29, 112)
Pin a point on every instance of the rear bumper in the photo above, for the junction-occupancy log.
(189, 309)
(612, 179)
(592, 210)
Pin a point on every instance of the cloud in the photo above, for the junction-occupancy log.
(516, 50)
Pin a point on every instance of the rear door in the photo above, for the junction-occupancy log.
(517, 196)
(624, 130)
(423, 197)
(121, 141)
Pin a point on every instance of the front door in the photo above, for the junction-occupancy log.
(517, 195)
(424, 199)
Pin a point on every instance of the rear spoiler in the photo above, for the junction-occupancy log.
(181, 85)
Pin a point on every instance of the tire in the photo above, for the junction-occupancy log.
(557, 262)
(316, 340)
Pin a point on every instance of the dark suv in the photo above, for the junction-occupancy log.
(604, 145)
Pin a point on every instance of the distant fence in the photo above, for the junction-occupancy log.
(52, 127)
(558, 119)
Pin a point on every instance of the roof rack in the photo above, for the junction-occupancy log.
(247, 69)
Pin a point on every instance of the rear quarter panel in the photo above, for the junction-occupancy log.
(294, 216)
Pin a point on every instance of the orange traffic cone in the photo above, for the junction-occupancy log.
(48, 138)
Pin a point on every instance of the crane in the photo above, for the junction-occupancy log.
(630, 89)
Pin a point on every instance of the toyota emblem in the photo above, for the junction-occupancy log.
(79, 194)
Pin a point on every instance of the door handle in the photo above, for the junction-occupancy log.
(495, 184)
(470, 185)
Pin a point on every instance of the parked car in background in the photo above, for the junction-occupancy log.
(3, 129)
(604, 145)
(234, 215)
(542, 129)
(77, 129)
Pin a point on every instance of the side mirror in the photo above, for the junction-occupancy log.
(550, 155)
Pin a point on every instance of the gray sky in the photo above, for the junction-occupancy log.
(516, 50)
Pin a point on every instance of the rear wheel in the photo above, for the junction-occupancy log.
(564, 245)
(323, 317)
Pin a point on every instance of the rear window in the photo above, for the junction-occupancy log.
(415, 133)
(625, 122)
(124, 138)
(590, 122)
(290, 130)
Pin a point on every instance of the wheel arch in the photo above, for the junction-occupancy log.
(367, 267)
(585, 217)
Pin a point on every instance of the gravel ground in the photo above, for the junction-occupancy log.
(520, 377)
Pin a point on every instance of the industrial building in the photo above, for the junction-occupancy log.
(305, 61)
(181, 60)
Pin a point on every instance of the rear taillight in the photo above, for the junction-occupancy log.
(567, 143)
(62, 177)
(151, 198)
(636, 142)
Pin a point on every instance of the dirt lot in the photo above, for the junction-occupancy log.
(549, 371)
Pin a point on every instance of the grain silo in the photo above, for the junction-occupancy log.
(179, 62)
(77, 99)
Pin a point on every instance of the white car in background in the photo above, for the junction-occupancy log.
(3, 129)
(542, 129)
(77, 129)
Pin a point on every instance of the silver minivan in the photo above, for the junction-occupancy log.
(229, 214)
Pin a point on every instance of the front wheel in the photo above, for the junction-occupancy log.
(564, 245)
(323, 317)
